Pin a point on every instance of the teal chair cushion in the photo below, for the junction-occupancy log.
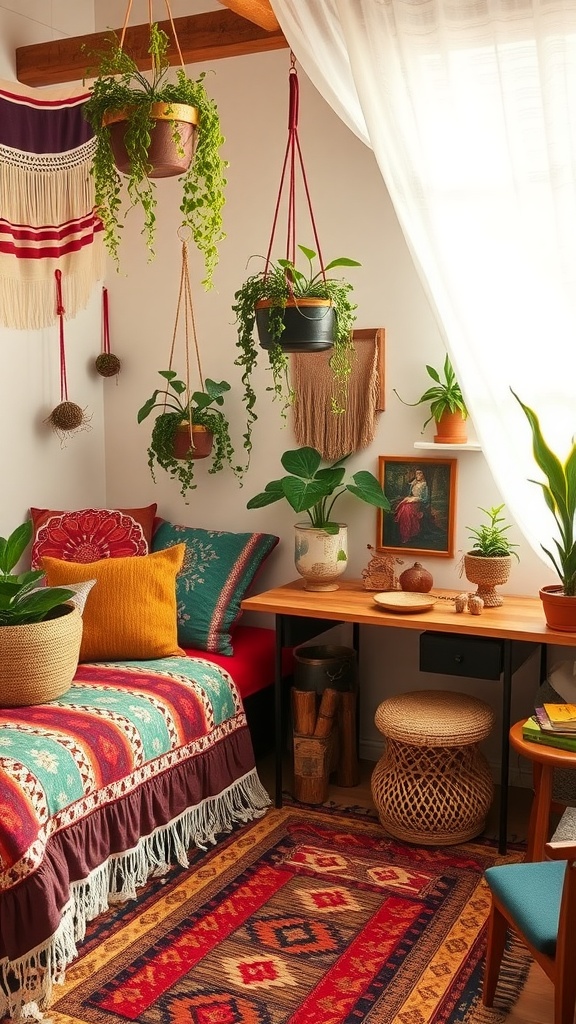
(531, 894)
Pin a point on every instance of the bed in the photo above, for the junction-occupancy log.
(141, 759)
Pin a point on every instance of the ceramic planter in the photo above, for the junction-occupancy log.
(451, 428)
(559, 610)
(195, 446)
(309, 325)
(488, 573)
(165, 158)
(320, 557)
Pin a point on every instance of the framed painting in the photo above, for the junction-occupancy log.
(422, 496)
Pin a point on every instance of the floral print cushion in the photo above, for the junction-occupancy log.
(90, 534)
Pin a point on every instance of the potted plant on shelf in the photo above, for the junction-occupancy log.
(311, 487)
(489, 561)
(447, 406)
(559, 491)
(40, 631)
(130, 116)
(187, 428)
(295, 312)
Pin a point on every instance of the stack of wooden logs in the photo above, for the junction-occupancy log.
(324, 741)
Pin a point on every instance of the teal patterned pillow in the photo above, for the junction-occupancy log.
(217, 571)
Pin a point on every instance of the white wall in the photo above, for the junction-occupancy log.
(36, 468)
(355, 218)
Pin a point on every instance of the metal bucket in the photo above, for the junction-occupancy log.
(315, 668)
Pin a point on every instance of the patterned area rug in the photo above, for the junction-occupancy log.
(307, 916)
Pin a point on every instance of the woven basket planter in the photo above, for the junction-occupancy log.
(488, 573)
(38, 661)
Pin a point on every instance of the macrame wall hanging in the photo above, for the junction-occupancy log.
(355, 426)
(107, 364)
(47, 218)
(67, 417)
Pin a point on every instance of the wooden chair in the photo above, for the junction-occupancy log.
(537, 900)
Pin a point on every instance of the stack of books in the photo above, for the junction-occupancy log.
(553, 725)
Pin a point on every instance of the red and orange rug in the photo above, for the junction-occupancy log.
(304, 917)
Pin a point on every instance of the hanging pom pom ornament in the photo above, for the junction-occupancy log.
(107, 364)
(67, 417)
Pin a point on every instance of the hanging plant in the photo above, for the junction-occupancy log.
(67, 417)
(122, 91)
(294, 311)
(280, 284)
(107, 364)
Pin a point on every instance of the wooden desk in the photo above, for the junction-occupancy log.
(544, 760)
(301, 615)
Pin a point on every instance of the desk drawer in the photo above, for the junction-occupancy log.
(454, 655)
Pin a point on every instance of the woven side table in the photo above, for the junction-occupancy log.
(433, 785)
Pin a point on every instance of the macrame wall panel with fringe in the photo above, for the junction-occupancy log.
(337, 434)
(47, 216)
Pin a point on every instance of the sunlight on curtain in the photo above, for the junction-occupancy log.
(470, 108)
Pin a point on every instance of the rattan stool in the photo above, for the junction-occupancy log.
(432, 785)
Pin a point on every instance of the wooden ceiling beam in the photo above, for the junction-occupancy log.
(202, 37)
(258, 11)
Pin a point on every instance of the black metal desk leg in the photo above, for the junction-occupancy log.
(278, 730)
(505, 747)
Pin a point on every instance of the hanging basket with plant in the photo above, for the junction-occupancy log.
(151, 127)
(292, 310)
(190, 424)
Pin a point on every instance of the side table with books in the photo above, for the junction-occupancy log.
(544, 756)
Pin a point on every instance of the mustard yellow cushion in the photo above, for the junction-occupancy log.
(131, 611)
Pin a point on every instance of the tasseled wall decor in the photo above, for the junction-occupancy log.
(47, 217)
(314, 422)
(107, 364)
(67, 417)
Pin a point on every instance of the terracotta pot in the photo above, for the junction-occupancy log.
(451, 429)
(488, 573)
(163, 155)
(559, 610)
(320, 557)
(416, 579)
(197, 446)
(309, 325)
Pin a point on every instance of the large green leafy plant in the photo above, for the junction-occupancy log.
(278, 283)
(22, 598)
(313, 488)
(179, 406)
(121, 86)
(445, 394)
(559, 491)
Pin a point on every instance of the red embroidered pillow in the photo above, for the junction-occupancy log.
(90, 534)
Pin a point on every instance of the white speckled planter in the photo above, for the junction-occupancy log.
(320, 557)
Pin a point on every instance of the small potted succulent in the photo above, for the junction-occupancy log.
(313, 488)
(188, 427)
(489, 561)
(447, 406)
(559, 493)
(294, 311)
(130, 116)
(40, 631)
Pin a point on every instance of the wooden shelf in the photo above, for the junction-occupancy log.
(470, 446)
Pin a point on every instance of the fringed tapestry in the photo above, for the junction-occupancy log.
(47, 216)
(337, 434)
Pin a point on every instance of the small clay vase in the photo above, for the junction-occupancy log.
(416, 579)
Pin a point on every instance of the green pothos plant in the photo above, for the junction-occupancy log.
(279, 282)
(178, 406)
(121, 86)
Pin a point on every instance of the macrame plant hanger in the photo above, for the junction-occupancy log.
(67, 417)
(293, 160)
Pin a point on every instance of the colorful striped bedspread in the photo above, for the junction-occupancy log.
(118, 725)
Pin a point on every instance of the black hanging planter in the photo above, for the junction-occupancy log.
(309, 325)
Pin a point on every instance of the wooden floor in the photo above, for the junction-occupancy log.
(535, 1005)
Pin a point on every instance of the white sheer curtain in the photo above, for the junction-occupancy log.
(470, 108)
